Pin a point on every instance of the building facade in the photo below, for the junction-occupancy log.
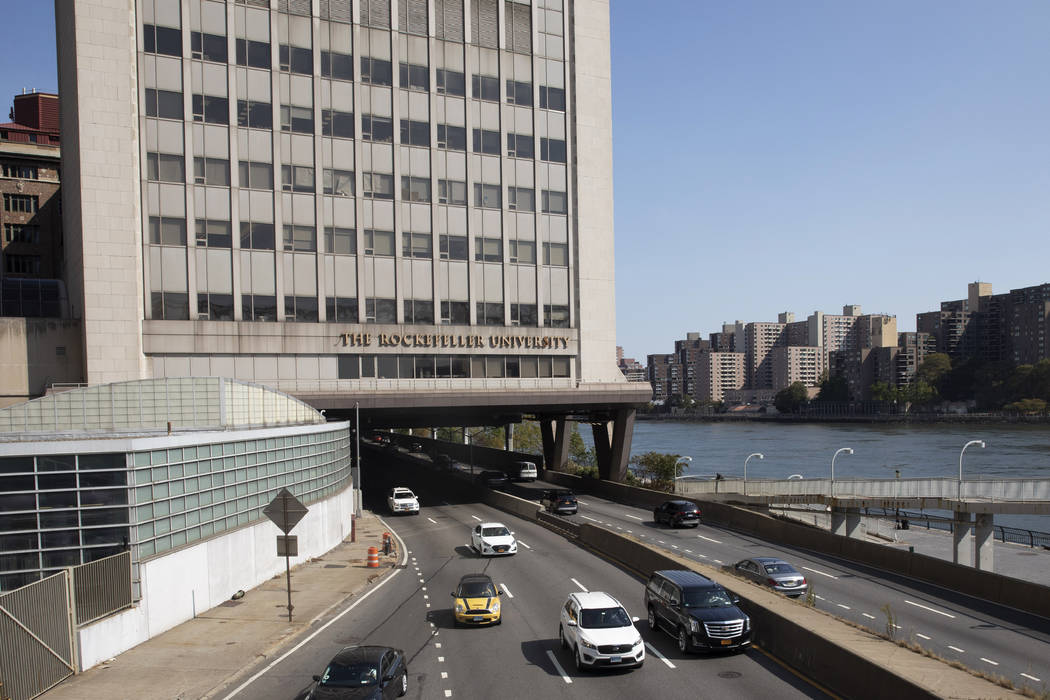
(759, 341)
(355, 203)
(717, 373)
(796, 364)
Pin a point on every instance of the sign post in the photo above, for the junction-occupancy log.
(285, 510)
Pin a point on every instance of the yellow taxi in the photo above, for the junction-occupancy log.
(476, 601)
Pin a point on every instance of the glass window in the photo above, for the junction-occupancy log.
(457, 312)
(297, 178)
(255, 54)
(555, 317)
(297, 119)
(485, 88)
(488, 249)
(490, 314)
(414, 77)
(340, 124)
(376, 71)
(419, 311)
(452, 192)
(552, 150)
(214, 307)
(341, 241)
(379, 242)
(208, 47)
(555, 202)
(166, 230)
(257, 236)
(417, 245)
(524, 315)
(211, 171)
(487, 196)
(301, 310)
(380, 311)
(522, 252)
(162, 40)
(300, 238)
(453, 138)
(415, 133)
(349, 366)
(337, 65)
(556, 254)
(296, 59)
(519, 93)
(520, 146)
(254, 114)
(339, 182)
(415, 189)
(521, 198)
(378, 129)
(257, 176)
(210, 109)
(213, 234)
(258, 308)
(165, 167)
(343, 310)
(486, 141)
(552, 98)
(377, 185)
(453, 247)
(450, 82)
(164, 104)
(170, 305)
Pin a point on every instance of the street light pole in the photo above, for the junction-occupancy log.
(683, 458)
(971, 442)
(847, 450)
(753, 454)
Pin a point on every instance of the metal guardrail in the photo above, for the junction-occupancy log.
(1003, 533)
(102, 587)
(1018, 490)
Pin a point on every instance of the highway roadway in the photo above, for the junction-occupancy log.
(983, 636)
(411, 610)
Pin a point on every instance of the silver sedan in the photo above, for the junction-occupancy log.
(773, 573)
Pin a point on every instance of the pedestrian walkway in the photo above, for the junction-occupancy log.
(216, 650)
(1010, 559)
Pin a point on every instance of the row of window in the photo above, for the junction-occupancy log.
(22, 203)
(175, 306)
(21, 233)
(22, 264)
(22, 172)
(451, 367)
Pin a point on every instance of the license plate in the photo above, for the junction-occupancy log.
(615, 659)
(478, 619)
(726, 642)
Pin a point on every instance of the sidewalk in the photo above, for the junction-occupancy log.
(205, 655)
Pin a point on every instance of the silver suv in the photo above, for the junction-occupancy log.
(599, 632)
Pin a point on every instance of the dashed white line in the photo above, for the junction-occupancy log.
(870, 617)
(444, 674)
(702, 556)
(593, 520)
(961, 651)
(654, 652)
(633, 517)
(437, 645)
(709, 539)
(441, 659)
(582, 587)
(717, 561)
(524, 545)
(689, 551)
(843, 606)
(558, 668)
(822, 573)
(582, 503)
(993, 663)
(661, 542)
(631, 532)
(506, 590)
(1032, 678)
(448, 693)
(426, 597)
(432, 520)
(476, 518)
(674, 546)
(818, 597)
(939, 612)
(923, 636)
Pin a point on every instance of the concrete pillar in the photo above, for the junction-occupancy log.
(555, 442)
(962, 552)
(984, 542)
(845, 521)
(508, 437)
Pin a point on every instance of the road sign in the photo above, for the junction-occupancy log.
(285, 510)
(287, 546)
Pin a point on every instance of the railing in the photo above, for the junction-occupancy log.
(1003, 533)
(102, 587)
(1017, 490)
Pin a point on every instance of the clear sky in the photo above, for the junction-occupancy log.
(797, 156)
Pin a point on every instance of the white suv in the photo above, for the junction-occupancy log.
(599, 632)
(402, 500)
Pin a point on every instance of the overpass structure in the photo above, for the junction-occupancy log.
(972, 502)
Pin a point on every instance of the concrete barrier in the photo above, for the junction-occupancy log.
(844, 659)
(1011, 592)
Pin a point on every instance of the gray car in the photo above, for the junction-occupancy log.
(773, 573)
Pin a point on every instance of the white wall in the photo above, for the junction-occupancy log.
(189, 581)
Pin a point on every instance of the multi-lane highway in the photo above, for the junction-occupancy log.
(521, 657)
(985, 637)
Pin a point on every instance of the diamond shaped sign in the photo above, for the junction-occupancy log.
(285, 510)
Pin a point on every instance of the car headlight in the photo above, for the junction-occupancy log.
(694, 625)
(587, 645)
(495, 607)
(639, 642)
(460, 607)
(747, 623)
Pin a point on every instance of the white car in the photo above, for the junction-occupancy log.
(489, 539)
(599, 632)
(402, 500)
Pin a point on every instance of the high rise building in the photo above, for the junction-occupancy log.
(717, 373)
(759, 339)
(377, 204)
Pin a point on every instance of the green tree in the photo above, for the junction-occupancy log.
(791, 398)
(657, 469)
(935, 366)
(578, 452)
(882, 391)
(922, 393)
(528, 438)
(1027, 407)
(833, 388)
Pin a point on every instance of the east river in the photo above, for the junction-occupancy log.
(918, 451)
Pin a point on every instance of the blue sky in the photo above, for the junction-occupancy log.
(796, 156)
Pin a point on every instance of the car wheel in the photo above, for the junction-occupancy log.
(654, 624)
(579, 660)
(404, 685)
(561, 636)
(683, 640)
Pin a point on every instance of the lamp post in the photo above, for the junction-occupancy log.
(847, 450)
(971, 442)
(683, 458)
(748, 459)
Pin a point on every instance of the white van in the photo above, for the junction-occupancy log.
(524, 471)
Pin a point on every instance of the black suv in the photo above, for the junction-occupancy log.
(561, 501)
(701, 614)
(677, 514)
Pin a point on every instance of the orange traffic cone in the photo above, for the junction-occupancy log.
(373, 557)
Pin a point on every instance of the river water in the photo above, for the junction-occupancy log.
(918, 451)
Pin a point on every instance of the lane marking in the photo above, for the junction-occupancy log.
(582, 587)
(961, 651)
(631, 532)
(402, 560)
(993, 663)
(843, 606)
(506, 590)
(444, 674)
(426, 597)
(558, 668)
(437, 645)
(702, 556)
(634, 517)
(432, 520)
(689, 551)
(654, 652)
(441, 659)
(717, 561)
(476, 518)
(593, 520)
(923, 636)
(818, 597)
(1032, 678)
(582, 503)
(939, 612)
(709, 539)
(674, 546)
(822, 573)
(524, 545)
(448, 693)
(871, 617)
(661, 542)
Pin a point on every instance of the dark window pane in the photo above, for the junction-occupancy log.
(103, 461)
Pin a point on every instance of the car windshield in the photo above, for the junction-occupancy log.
(494, 531)
(476, 589)
(780, 569)
(601, 618)
(404, 493)
(683, 506)
(351, 675)
(706, 598)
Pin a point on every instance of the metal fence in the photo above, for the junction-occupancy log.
(36, 637)
(1003, 533)
(102, 587)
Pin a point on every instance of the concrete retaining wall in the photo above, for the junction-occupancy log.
(1004, 590)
